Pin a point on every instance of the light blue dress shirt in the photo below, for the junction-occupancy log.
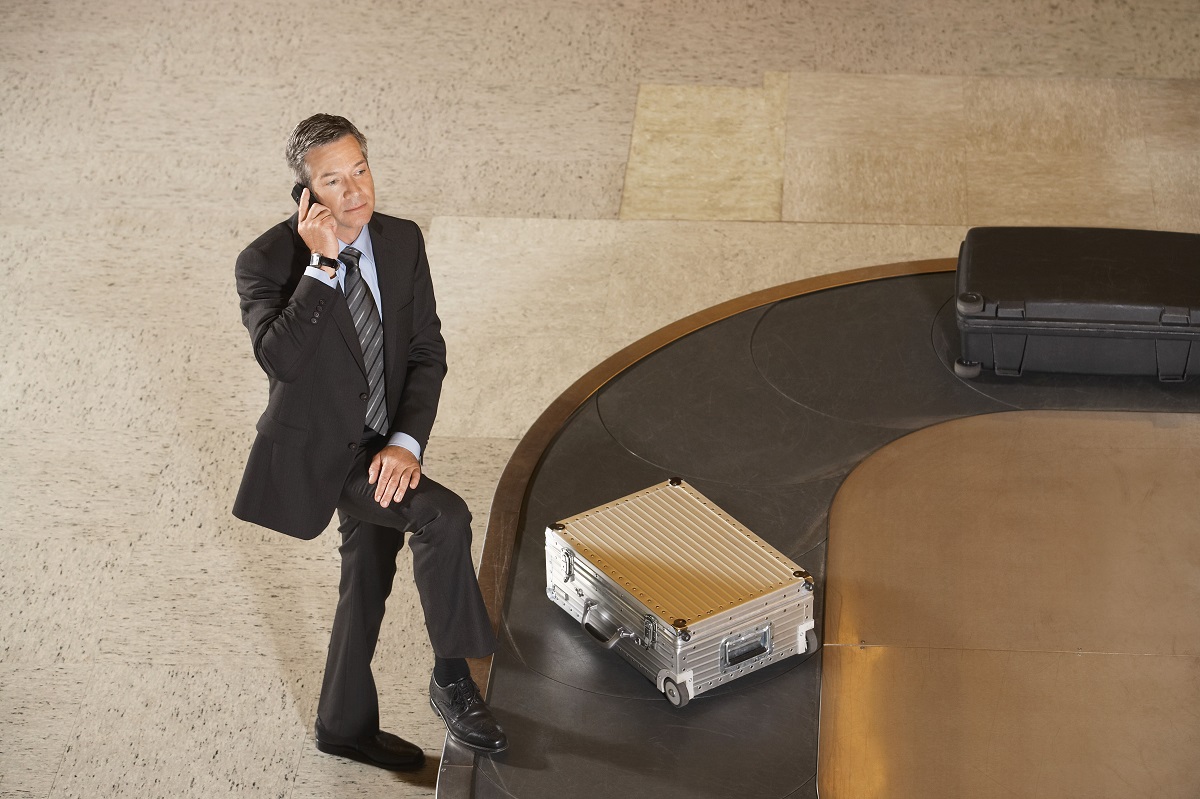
(370, 275)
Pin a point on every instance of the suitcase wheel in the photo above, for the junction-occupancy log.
(967, 370)
(810, 641)
(676, 694)
(968, 303)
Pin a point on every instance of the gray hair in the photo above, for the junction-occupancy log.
(317, 131)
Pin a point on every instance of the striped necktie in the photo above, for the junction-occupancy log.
(370, 338)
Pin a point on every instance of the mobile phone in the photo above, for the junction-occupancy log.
(298, 190)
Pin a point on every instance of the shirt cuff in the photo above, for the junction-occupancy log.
(406, 441)
(321, 275)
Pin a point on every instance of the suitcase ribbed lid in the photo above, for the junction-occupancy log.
(678, 553)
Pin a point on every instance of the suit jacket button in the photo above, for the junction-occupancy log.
(313, 320)
(363, 396)
(353, 445)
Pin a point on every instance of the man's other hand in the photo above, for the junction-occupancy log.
(317, 226)
(393, 471)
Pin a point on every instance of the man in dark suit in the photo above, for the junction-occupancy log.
(341, 314)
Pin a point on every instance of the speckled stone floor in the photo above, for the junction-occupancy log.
(585, 173)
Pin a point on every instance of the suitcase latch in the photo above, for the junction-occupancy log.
(649, 631)
(1009, 310)
(1175, 316)
(568, 566)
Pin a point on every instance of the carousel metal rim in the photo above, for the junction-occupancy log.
(456, 771)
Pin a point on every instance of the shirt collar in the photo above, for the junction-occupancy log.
(362, 244)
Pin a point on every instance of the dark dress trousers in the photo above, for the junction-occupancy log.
(310, 456)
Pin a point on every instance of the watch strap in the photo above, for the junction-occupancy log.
(319, 260)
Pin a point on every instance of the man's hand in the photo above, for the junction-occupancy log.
(393, 471)
(317, 226)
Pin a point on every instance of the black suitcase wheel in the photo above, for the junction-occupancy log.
(676, 694)
(967, 370)
(969, 303)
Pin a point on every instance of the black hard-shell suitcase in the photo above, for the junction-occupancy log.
(1079, 300)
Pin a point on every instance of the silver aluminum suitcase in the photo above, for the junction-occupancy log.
(683, 591)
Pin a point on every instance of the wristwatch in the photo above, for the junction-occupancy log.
(320, 261)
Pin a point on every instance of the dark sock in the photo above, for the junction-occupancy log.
(448, 670)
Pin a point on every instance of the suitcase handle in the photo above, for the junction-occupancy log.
(612, 640)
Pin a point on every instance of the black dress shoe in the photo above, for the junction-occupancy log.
(468, 719)
(383, 750)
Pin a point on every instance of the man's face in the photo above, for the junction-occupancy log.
(341, 181)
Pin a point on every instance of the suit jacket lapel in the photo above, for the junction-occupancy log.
(345, 323)
(388, 260)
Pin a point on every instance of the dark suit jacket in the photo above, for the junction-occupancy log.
(304, 339)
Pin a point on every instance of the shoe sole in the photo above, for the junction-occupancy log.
(351, 753)
(484, 749)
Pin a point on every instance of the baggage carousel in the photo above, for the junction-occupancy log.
(1007, 569)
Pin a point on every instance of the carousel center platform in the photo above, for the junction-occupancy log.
(1007, 569)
